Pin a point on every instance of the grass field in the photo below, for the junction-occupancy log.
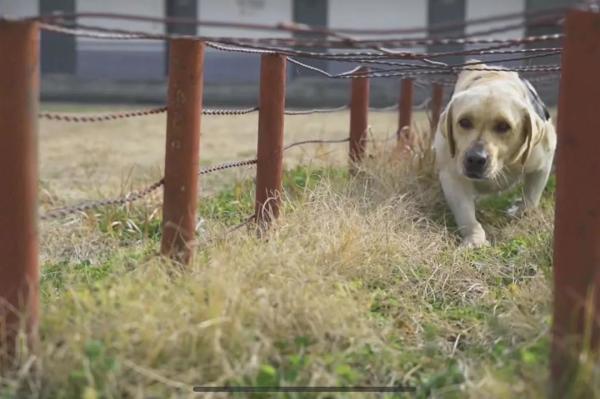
(360, 282)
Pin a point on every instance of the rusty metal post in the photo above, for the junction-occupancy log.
(577, 219)
(405, 108)
(19, 99)
(269, 168)
(359, 113)
(186, 58)
(437, 99)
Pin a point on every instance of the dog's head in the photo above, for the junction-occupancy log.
(487, 128)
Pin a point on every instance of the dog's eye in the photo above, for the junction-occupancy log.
(465, 123)
(501, 127)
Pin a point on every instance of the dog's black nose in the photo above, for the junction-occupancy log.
(476, 162)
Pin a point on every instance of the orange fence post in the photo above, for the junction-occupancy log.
(405, 108)
(19, 99)
(184, 108)
(359, 112)
(577, 219)
(269, 167)
(437, 99)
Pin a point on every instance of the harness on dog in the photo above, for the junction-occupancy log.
(536, 101)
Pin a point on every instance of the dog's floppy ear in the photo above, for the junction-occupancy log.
(446, 127)
(533, 132)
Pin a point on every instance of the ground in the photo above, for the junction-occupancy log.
(360, 282)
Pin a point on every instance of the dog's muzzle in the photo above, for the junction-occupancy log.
(476, 162)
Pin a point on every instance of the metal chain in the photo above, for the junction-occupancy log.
(139, 194)
(60, 117)
(98, 118)
(121, 34)
(355, 73)
(222, 112)
(298, 143)
(382, 53)
(228, 165)
(317, 110)
(126, 199)
(529, 18)
(237, 49)
(343, 39)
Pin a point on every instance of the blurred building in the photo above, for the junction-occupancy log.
(76, 62)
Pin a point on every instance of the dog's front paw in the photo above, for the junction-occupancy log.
(519, 209)
(474, 241)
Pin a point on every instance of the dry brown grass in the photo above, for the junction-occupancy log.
(359, 282)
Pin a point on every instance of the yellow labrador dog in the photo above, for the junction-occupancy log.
(494, 132)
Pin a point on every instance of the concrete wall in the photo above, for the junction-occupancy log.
(223, 67)
(485, 8)
(377, 14)
(245, 11)
(104, 59)
(19, 8)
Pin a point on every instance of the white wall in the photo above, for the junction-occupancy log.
(249, 11)
(150, 8)
(377, 14)
(485, 8)
(106, 58)
(19, 8)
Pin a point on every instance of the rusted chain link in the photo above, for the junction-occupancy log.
(126, 199)
(382, 47)
(529, 69)
(93, 34)
(459, 38)
(237, 49)
(341, 40)
(246, 221)
(293, 27)
(398, 43)
(139, 194)
(217, 112)
(53, 116)
(414, 57)
(60, 117)
(383, 54)
(121, 34)
(298, 143)
(402, 70)
(421, 70)
(547, 77)
(133, 196)
(227, 165)
(410, 67)
(317, 110)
